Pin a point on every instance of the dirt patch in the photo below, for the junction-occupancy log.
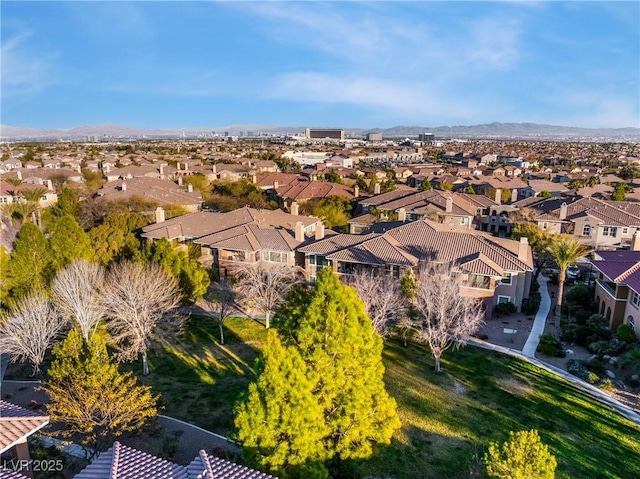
(509, 331)
(514, 386)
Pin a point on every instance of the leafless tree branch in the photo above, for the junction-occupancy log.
(444, 318)
(29, 329)
(220, 303)
(136, 297)
(76, 292)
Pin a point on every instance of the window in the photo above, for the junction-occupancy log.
(635, 299)
(625, 230)
(274, 256)
(506, 278)
(586, 230)
(631, 322)
(504, 299)
(544, 226)
(610, 231)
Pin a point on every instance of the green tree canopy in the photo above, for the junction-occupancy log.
(115, 238)
(29, 267)
(343, 356)
(539, 240)
(565, 251)
(68, 242)
(523, 456)
(91, 397)
(335, 211)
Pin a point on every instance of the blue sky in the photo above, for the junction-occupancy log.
(320, 64)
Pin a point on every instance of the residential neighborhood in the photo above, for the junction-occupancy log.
(227, 217)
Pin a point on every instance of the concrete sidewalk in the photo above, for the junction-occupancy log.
(529, 349)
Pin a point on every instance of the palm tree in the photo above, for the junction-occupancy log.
(32, 196)
(565, 251)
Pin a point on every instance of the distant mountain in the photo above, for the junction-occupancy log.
(487, 131)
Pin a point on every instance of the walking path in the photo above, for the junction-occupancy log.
(529, 349)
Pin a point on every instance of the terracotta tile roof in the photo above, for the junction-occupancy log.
(123, 462)
(17, 423)
(8, 474)
(207, 226)
(479, 263)
(387, 197)
(620, 266)
(409, 243)
(365, 219)
(164, 192)
(611, 213)
(304, 190)
(206, 466)
(283, 179)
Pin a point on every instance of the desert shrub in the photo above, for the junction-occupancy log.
(505, 308)
(599, 326)
(626, 333)
(606, 384)
(550, 346)
(592, 377)
(599, 347)
(629, 362)
(523, 455)
(532, 303)
(594, 365)
(580, 295)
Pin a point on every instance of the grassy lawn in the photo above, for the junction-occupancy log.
(448, 418)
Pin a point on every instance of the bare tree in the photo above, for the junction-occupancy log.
(382, 296)
(220, 303)
(76, 292)
(264, 287)
(29, 329)
(444, 318)
(136, 297)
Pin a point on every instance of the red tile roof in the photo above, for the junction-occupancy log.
(16, 424)
(206, 466)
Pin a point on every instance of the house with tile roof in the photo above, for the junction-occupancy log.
(617, 292)
(123, 462)
(494, 269)
(301, 191)
(245, 235)
(17, 424)
(162, 192)
(591, 221)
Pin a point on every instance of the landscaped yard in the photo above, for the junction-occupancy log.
(448, 418)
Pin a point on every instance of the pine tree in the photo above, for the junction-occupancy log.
(68, 242)
(281, 424)
(91, 397)
(343, 357)
(523, 456)
(29, 266)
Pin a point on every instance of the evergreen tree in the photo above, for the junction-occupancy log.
(68, 242)
(281, 423)
(29, 266)
(114, 239)
(523, 456)
(343, 356)
(91, 397)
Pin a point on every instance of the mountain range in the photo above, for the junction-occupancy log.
(494, 130)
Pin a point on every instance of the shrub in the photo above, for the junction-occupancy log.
(606, 385)
(592, 377)
(522, 456)
(550, 346)
(629, 362)
(532, 303)
(599, 347)
(505, 308)
(626, 333)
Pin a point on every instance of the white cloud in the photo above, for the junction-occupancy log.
(23, 71)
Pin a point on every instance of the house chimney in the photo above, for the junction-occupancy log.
(514, 195)
(123, 186)
(19, 173)
(635, 241)
(563, 211)
(356, 191)
(449, 205)
(161, 170)
(189, 187)
(178, 166)
(254, 179)
(214, 169)
(179, 180)
(294, 208)
(159, 214)
(498, 197)
(523, 249)
(319, 231)
(275, 184)
(402, 214)
(79, 168)
(50, 185)
(376, 189)
(107, 168)
(186, 166)
(299, 231)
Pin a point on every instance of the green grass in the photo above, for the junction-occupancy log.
(448, 418)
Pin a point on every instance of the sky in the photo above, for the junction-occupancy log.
(160, 64)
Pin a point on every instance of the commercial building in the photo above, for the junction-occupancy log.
(331, 133)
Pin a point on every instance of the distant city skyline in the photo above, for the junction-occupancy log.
(320, 64)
